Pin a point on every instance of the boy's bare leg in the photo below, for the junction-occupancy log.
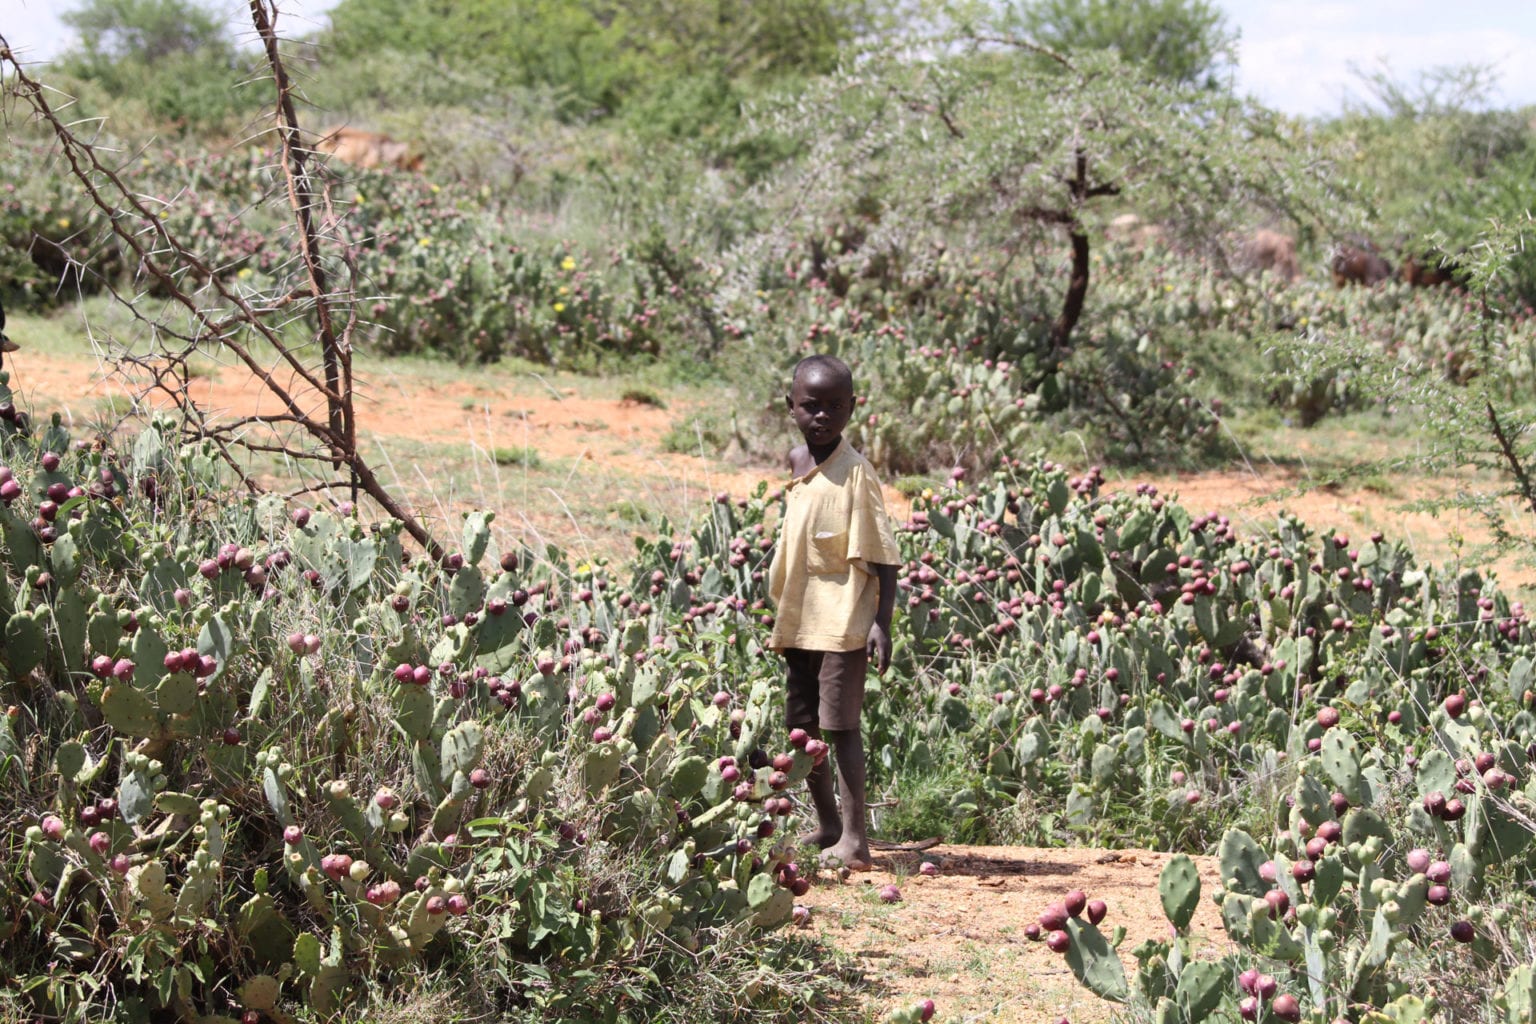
(829, 827)
(852, 849)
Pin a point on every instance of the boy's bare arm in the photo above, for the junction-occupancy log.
(879, 646)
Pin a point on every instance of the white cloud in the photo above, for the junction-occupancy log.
(1297, 55)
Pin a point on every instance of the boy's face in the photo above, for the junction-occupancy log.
(821, 405)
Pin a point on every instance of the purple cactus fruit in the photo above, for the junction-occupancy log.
(293, 835)
(1054, 917)
(458, 904)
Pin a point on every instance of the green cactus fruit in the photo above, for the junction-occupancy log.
(1095, 963)
(539, 782)
(1240, 859)
(26, 643)
(1201, 985)
(1179, 887)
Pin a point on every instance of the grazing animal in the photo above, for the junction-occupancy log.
(368, 149)
(1430, 268)
(1135, 232)
(1273, 252)
(6, 344)
(1358, 264)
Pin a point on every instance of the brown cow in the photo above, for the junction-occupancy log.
(1272, 251)
(1358, 264)
(1429, 268)
(368, 149)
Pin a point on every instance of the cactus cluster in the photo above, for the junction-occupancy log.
(355, 758)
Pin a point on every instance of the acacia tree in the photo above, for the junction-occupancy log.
(969, 134)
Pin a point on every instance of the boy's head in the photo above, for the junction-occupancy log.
(821, 400)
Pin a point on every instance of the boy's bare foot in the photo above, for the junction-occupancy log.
(822, 837)
(850, 853)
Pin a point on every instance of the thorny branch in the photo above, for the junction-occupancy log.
(237, 318)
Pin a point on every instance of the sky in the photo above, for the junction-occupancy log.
(1294, 55)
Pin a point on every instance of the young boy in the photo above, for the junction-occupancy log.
(833, 580)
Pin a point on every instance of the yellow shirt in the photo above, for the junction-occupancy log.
(835, 528)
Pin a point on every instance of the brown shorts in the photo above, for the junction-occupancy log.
(826, 688)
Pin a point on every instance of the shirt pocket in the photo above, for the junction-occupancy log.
(826, 552)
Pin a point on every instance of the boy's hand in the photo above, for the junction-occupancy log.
(879, 648)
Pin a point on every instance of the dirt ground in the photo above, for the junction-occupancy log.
(956, 937)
